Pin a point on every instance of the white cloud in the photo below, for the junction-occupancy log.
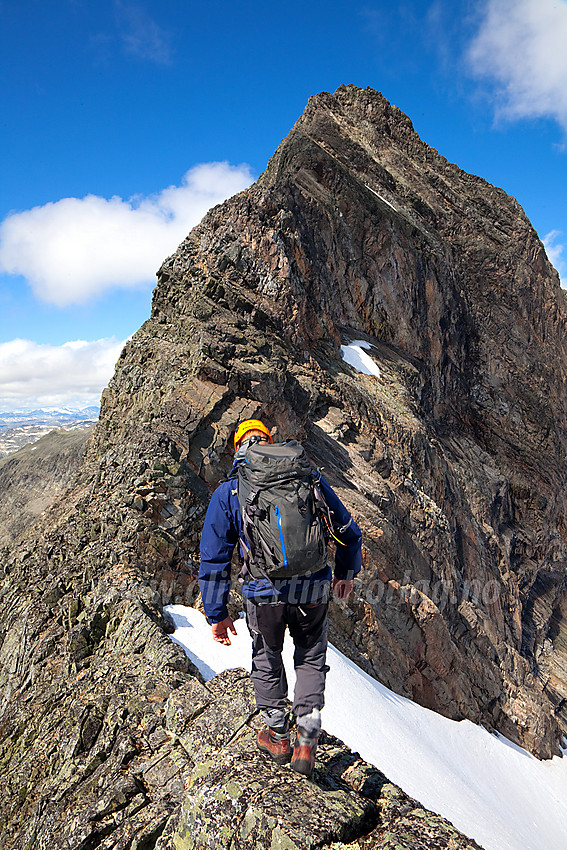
(70, 375)
(521, 45)
(141, 36)
(555, 253)
(74, 249)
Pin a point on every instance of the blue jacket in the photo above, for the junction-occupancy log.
(220, 535)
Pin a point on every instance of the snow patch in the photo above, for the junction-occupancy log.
(491, 790)
(355, 356)
(380, 196)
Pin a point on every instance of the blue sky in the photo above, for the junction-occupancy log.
(122, 122)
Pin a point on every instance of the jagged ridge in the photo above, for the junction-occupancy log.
(455, 454)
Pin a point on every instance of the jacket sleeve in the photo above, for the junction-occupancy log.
(218, 540)
(348, 557)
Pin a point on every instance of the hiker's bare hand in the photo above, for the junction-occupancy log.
(342, 588)
(221, 630)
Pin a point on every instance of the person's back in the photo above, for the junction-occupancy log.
(272, 604)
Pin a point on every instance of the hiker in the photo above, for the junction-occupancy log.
(271, 604)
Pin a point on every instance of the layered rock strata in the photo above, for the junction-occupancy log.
(452, 462)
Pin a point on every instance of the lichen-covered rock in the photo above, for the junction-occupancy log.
(238, 798)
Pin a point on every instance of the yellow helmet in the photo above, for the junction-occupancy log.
(250, 425)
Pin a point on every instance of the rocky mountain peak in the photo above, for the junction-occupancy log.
(452, 462)
(358, 229)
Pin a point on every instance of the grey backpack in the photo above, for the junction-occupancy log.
(283, 512)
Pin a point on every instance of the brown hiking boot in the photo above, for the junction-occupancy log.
(276, 745)
(303, 758)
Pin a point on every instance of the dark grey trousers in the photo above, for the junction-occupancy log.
(308, 627)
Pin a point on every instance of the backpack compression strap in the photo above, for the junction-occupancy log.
(249, 557)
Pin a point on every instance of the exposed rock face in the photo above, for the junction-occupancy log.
(452, 461)
(358, 229)
(33, 477)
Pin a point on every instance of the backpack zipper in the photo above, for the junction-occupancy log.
(282, 541)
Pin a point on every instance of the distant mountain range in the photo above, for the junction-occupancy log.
(18, 428)
(13, 418)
